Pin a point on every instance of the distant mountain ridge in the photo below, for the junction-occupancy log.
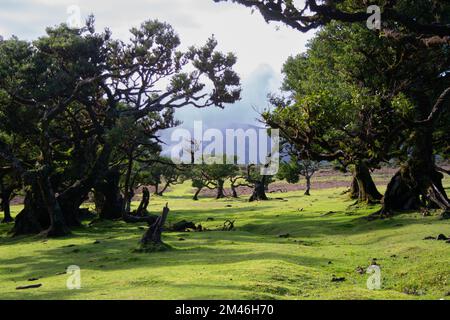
(250, 151)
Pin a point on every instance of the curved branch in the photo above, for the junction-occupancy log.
(321, 14)
(438, 108)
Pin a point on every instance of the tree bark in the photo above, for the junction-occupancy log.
(33, 218)
(141, 214)
(234, 193)
(259, 191)
(354, 188)
(220, 191)
(70, 201)
(128, 202)
(99, 200)
(161, 193)
(112, 207)
(72, 198)
(308, 186)
(417, 183)
(195, 198)
(367, 190)
(5, 205)
(42, 212)
(142, 209)
(58, 226)
(127, 187)
(156, 186)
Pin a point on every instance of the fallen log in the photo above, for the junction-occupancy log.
(183, 225)
(150, 218)
(31, 286)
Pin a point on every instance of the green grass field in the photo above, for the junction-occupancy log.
(327, 238)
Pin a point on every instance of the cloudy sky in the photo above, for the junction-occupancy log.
(261, 48)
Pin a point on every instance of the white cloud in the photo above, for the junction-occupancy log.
(256, 86)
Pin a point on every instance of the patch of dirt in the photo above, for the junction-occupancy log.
(323, 179)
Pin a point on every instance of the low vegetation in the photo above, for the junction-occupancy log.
(289, 248)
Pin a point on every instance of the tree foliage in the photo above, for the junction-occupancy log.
(75, 105)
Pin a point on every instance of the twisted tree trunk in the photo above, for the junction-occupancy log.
(354, 188)
(417, 183)
(58, 226)
(234, 193)
(156, 186)
(33, 218)
(73, 197)
(42, 212)
(220, 189)
(161, 193)
(128, 201)
(197, 192)
(259, 191)
(128, 192)
(142, 209)
(365, 188)
(308, 185)
(112, 207)
(5, 205)
(70, 201)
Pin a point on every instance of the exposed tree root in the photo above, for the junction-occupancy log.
(7, 219)
(150, 218)
(410, 191)
(228, 225)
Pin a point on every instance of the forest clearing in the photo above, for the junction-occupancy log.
(280, 249)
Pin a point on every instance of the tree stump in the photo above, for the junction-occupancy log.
(151, 240)
(183, 225)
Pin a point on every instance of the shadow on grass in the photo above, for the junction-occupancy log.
(338, 224)
(117, 254)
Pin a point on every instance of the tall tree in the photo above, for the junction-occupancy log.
(161, 174)
(87, 82)
(294, 168)
(9, 184)
(330, 115)
(213, 174)
(259, 182)
(238, 180)
(419, 31)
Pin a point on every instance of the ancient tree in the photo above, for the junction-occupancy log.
(416, 34)
(70, 125)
